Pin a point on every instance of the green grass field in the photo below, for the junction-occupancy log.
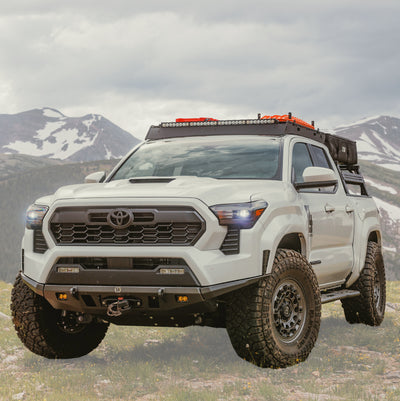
(349, 362)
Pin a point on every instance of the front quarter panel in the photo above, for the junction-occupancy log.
(286, 215)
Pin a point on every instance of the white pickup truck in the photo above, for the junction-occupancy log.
(245, 224)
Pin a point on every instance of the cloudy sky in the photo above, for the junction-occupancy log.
(142, 62)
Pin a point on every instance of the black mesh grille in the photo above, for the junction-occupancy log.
(161, 226)
(231, 244)
(39, 243)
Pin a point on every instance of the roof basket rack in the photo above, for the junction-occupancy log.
(342, 150)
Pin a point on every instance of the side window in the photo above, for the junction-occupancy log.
(300, 161)
(354, 181)
(354, 189)
(307, 156)
(320, 158)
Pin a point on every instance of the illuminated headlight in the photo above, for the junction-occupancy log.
(244, 215)
(35, 215)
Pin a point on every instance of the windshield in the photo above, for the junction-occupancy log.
(227, 157)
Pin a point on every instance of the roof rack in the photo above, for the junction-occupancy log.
(341, 149)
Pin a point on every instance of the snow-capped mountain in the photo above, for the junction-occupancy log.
(378, 145)
(48, 133)
(378, 140)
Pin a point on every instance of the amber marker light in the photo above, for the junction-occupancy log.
(182, 299)
(62, 296)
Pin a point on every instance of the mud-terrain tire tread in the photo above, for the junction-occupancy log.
(362, 309)
(36, 324)
(247, 321)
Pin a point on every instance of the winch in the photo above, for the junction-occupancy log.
(118, 306)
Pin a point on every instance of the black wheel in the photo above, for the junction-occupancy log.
(50, 332)
(369, 307)
(276, 322)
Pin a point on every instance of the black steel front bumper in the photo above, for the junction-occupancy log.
(93, 299)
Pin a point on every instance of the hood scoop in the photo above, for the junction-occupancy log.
(150, 180)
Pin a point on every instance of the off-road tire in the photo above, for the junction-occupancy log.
(38, 326)
(259, 317)
(369, 307)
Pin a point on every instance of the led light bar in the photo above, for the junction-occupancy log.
(217, 123)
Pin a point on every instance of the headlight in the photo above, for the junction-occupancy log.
(244, 215)
(35, 215)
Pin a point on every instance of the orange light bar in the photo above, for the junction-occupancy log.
(191, 120)
(285, 117)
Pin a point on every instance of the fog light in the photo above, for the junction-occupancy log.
(182, 299)
(62, 296)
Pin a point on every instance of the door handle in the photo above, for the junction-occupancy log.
(349, 209)
(329, 208)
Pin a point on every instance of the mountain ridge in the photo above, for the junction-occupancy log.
(47, 132)
(378, 147)
(378, 139)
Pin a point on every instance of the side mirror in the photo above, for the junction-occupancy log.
(316, 177)
(94, 178)
(318, 174)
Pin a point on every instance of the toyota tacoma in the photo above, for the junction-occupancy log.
(246, 224)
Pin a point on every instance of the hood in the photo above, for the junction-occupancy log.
(209, 190)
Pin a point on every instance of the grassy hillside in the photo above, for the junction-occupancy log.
(13, 164)
(349, 362)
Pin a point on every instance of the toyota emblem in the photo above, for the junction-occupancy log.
(120, 218)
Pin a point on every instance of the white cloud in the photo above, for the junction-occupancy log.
(138, 62)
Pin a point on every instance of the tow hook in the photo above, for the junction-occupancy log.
(120, 305)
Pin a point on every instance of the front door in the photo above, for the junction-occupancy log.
(329, 208)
